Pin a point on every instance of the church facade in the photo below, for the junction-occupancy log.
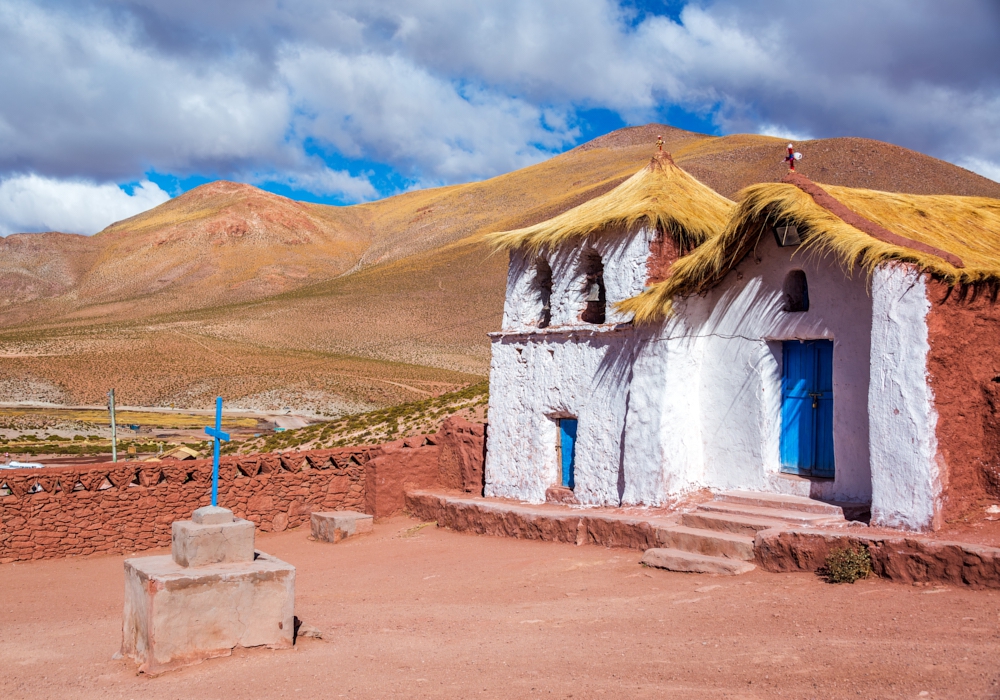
(768, 346)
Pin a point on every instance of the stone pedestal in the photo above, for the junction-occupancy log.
(340, 524)
(208, 538)
(212, 594)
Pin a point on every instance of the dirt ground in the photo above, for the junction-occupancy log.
(433, 613)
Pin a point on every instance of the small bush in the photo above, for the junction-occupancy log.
(848, 565)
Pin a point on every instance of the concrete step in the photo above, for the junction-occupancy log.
(790, 516)
(677, 560)
(736, 524)
(708, 542)
(780, 502)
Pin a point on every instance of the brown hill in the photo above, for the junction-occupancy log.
(42, 265)
(238, 272)
(221, 243)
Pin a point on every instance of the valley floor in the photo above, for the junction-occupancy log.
(431, 613)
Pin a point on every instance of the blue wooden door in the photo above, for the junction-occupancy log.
(567, 447)
(807, 408)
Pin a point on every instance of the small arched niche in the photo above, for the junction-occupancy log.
(542, 285)
(796, 290)
(594, 296)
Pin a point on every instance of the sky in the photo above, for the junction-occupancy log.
(110, 108)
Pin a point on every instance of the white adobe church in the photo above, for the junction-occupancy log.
(661, 339)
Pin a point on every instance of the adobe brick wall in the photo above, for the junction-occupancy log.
(130, 506)
(964, 371)
(463, 454)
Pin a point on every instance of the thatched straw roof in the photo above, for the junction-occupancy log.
(660, 194)
(956, 239)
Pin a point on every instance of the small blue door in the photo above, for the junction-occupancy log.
(807, 408)
(567, 447)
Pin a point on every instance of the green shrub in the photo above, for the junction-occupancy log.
(848, 565)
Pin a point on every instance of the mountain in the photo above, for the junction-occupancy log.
(229, 288)
(42, 265)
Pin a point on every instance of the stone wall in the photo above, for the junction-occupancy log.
(129, 506)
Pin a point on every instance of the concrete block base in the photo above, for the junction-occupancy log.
(205, 543)
(176, 616)
(340, 524)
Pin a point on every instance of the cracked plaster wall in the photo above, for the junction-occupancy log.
(906, 478)
(735, 334)
(570, 369)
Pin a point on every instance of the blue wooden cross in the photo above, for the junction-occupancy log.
(216, 434)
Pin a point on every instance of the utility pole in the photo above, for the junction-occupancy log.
(114, 427)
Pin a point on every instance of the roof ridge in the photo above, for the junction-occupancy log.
(852, 218)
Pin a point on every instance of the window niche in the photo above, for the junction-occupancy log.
(593, 289)
(796, 291)
(543, 289)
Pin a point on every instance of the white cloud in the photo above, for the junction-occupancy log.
(388, 109)
(782, 132)
(323, 181)
(31, 203)
(448, 90)
(986, 168)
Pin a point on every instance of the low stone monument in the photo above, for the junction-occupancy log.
(214, 592)
(338, 525)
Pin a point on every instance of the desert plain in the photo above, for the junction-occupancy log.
(416, 611)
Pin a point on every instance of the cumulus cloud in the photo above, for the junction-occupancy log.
(30, 203)
(444, 91)
(388, 109)
(985, 168)
(782, 132)
(323, 181)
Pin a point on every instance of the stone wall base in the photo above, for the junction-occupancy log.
(903, 558)
(177, 616)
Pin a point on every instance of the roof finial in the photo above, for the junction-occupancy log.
(792, 156)
(659, 143)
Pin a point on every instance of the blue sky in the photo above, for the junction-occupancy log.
(111, 107)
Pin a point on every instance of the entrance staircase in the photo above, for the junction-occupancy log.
(718, 536)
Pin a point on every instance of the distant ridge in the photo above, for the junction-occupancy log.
(408, 279)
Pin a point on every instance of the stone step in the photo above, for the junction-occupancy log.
(780, 502)
(791, 516)
(737, 524)
(677, 560)
(708, 542)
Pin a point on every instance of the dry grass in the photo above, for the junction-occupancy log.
(376, 427)
(661, 196)
(175, 365)
(230, 290)
(165, 420)
(968, 227)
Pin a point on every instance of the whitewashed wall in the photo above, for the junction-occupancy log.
(906, 476)
(569, 370)
(696, 402)
(624, 257)
(735, 334)
(538, 378)
(663, 448)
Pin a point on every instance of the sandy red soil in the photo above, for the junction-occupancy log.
(442, 614)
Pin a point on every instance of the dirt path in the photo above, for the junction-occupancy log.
(441, 614)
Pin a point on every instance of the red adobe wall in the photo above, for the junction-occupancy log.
(130, 506)
(964, 369)
(663, 253)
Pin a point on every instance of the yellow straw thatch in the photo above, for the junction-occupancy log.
(661, 194)
(968, 227)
